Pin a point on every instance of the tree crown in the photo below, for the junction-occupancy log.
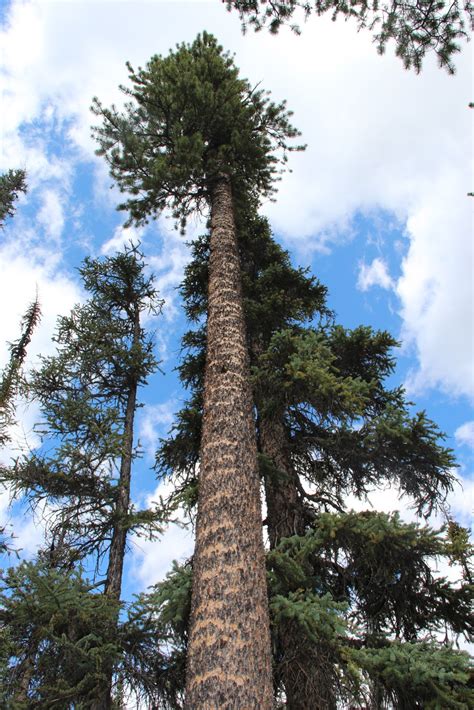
(190, 120)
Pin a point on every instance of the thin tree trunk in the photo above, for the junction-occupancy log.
(229, 660)
(113, 584)
(27, 670)
(113, 581)
(306, 669)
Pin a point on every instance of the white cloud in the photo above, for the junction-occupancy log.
(169, 264)
(436, 288)
(155, 421)
(465, 434)
(152, 559)
(374, 274)
(389, 499)
(22, 277)
(121, 237)
(51, 215)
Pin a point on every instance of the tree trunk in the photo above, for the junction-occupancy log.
(307, 671)
(26, 674)
(113, 584)
(113, 581)
(229, 660)
(285, 511)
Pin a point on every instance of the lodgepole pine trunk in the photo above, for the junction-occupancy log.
(113, 581)
(304, 667)
(229, 659)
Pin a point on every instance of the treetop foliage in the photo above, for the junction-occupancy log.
(416, 26)
(191, 119)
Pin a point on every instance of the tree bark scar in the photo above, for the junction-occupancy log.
(229, 660)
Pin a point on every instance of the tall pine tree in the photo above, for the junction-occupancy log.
(195, 135)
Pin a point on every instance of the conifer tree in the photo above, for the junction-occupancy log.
(311, 385)
(55, 637)
(10, 378)
(12, 184)
(195, 136)
(88, 394)
(415, 26)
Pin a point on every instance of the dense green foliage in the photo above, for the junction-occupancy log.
(347, 431)
(415, 26)
(12, 184)
(55, 637)
(191, 118)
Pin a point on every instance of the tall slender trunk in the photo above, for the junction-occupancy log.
(26, 674)
(229, 660)
(113, 580)
(305, 667)
(113, 584)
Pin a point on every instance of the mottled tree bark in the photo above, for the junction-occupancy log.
(305, 668)
(229, 660)
(113, 581)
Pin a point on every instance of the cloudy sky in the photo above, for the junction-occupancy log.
(377, 206)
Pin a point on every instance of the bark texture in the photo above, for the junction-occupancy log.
(306, 669)
(229, 659)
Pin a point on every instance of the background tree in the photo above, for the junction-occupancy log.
(327, 426)
(416, 26)
(194, 136)
(80, 478)
(12, 184)
(55, 637)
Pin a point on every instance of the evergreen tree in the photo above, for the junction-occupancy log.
(327, 426)
(416, 26)
(88, 394)
(12, 183)
(195, 135)
(55, 637)
(11, 376)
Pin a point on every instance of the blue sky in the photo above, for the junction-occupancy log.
(376, 206)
